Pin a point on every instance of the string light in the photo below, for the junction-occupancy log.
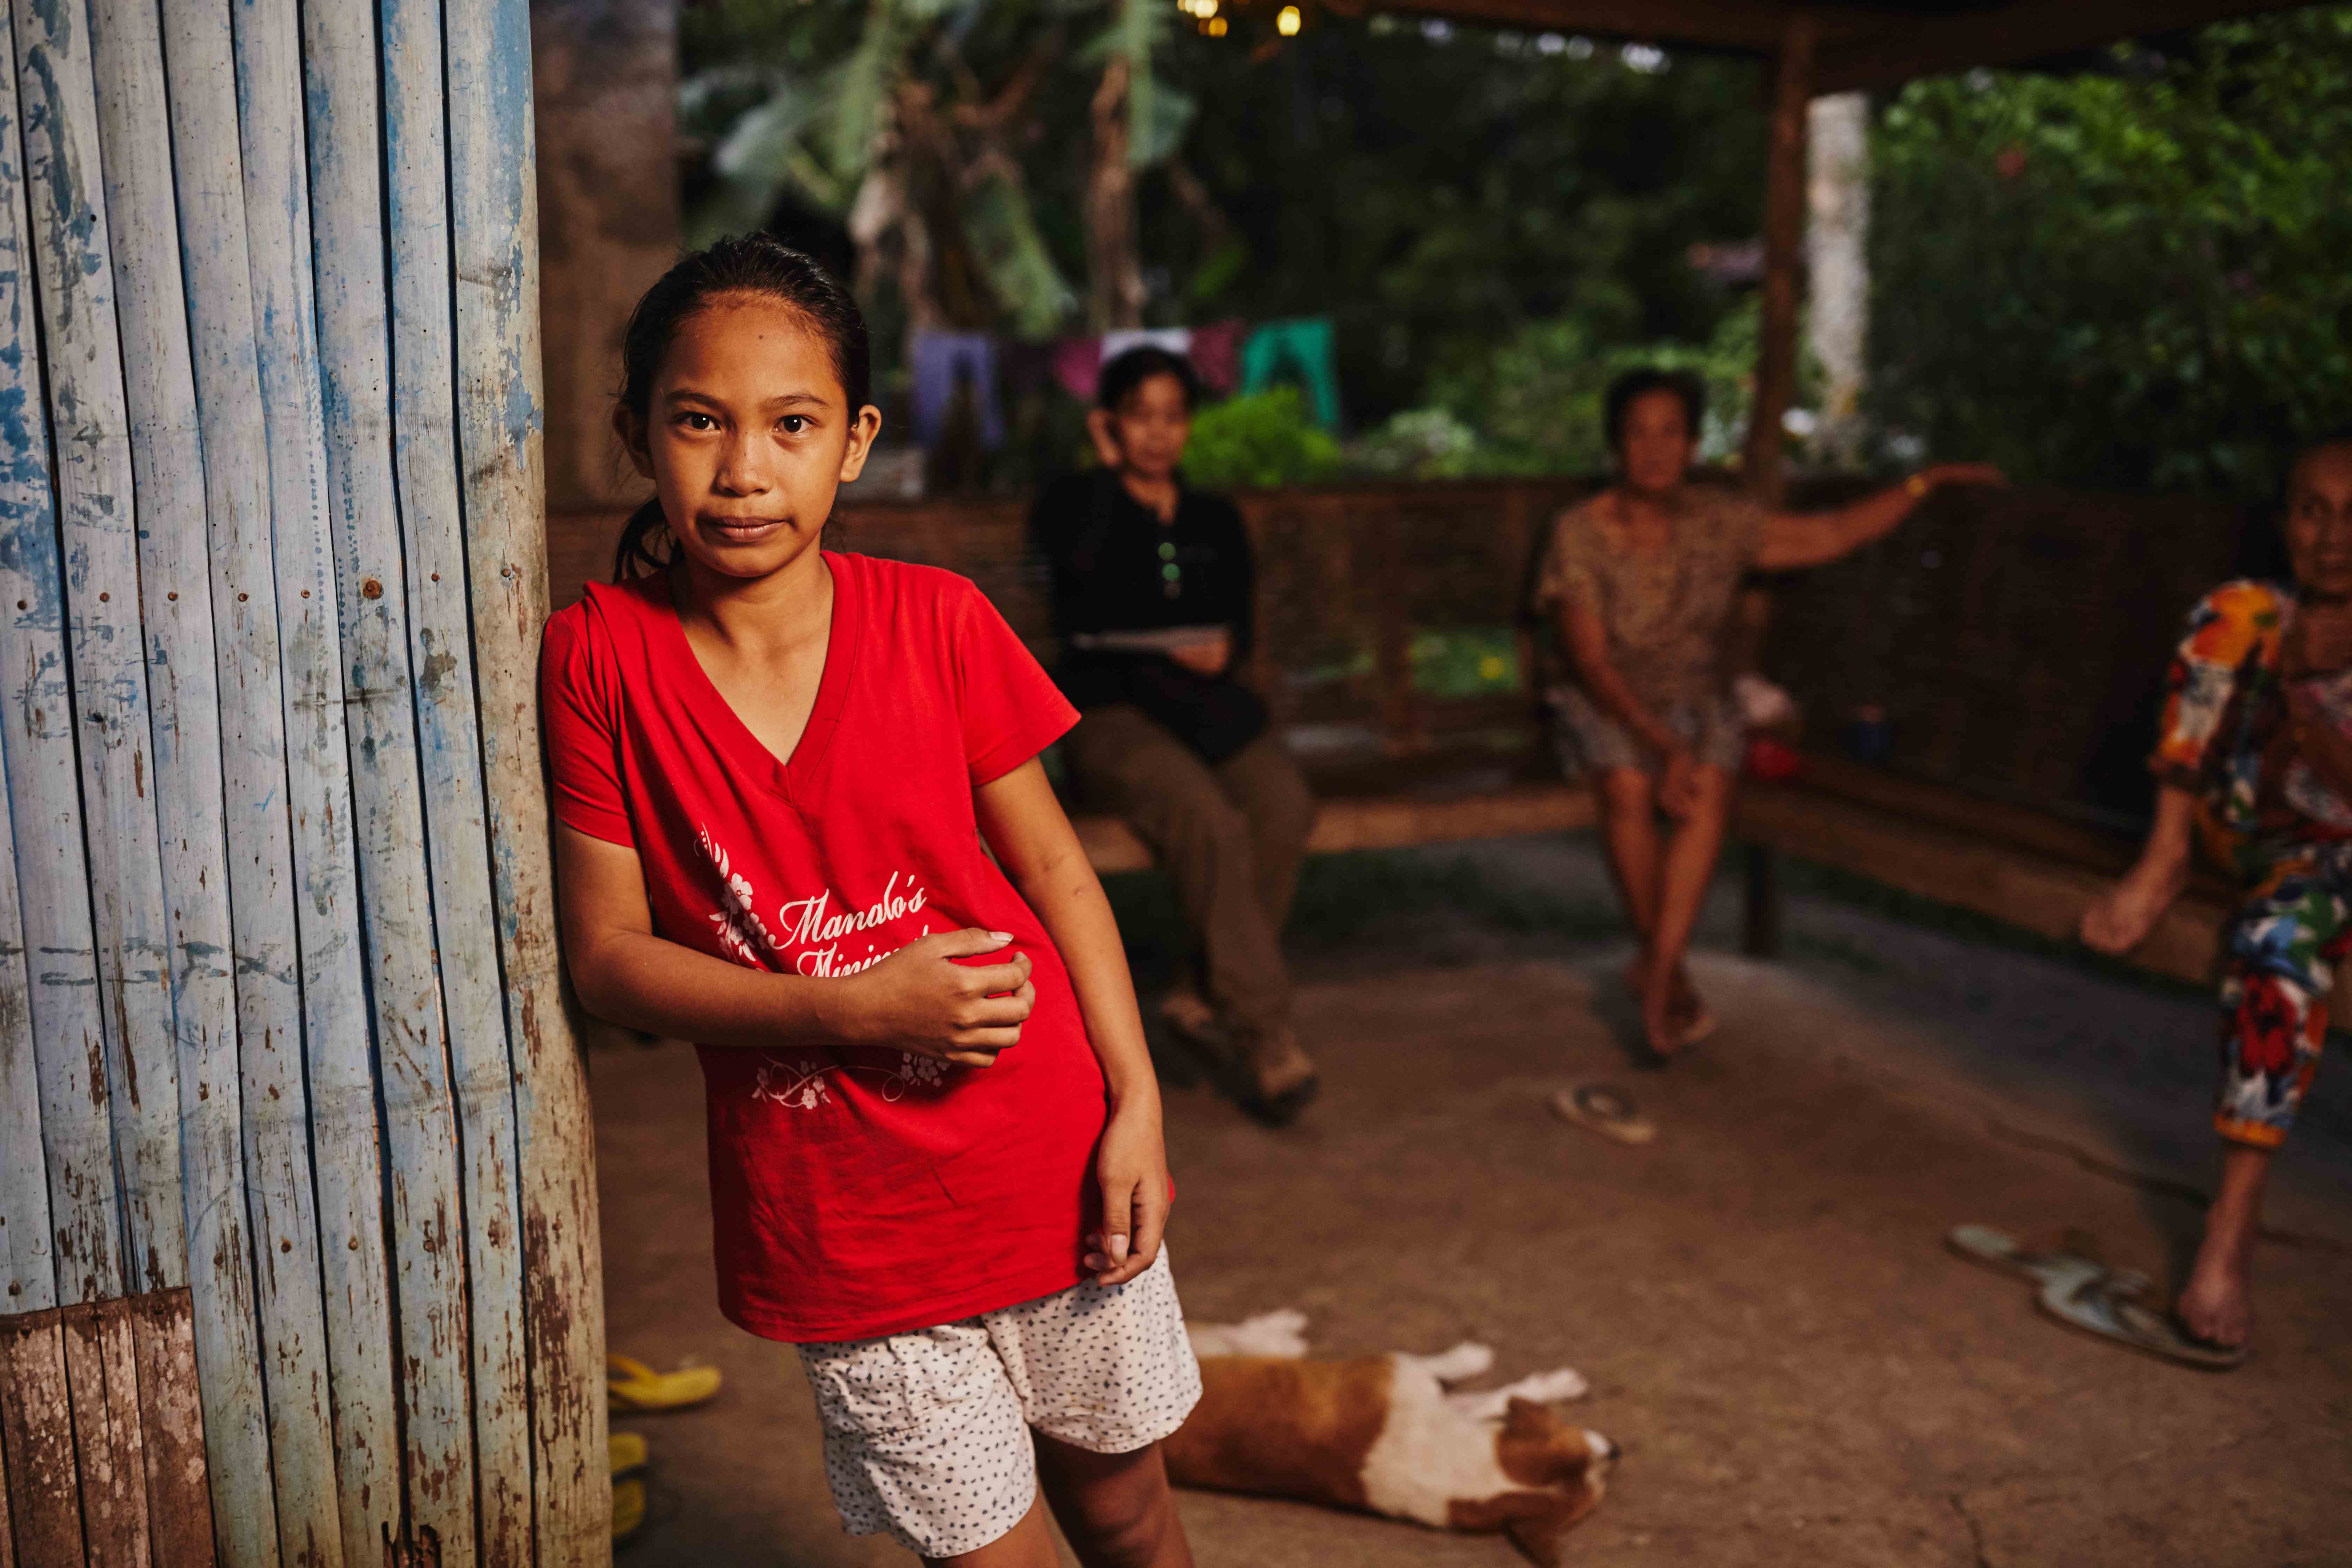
(1214, 26)
(1286, 21)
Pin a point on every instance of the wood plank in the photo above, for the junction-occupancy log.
(176, 610)
(1382, 823)
(1784, 239)
(482, 1068)
(1989, 877)
(36, 1435)
(81, 359)
(420, 1125)
(110, 1457)
(306, 1421)
(173, 1425)
(344, 1124)
(75, 1256)
(7, 1525)
(1899, 50)
(494, 228)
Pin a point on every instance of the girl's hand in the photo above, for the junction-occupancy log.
(919, 1000)
(1132, 1166)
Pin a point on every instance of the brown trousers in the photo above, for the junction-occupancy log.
(1229, 836)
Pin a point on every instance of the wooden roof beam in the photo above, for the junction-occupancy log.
(1903, 48)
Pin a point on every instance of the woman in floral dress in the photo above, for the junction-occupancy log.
(2254, 760)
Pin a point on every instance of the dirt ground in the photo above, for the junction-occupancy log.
(1797, 1370)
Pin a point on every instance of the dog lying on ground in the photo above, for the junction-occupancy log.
(1382, 1435)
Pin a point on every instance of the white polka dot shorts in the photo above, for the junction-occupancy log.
(927, 1434)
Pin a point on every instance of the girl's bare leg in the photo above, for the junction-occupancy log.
(1116, 1508)
(1028, 1544)
(2216, 1303)
(1685, 871)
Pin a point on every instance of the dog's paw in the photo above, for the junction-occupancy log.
(1280, 1333)
(1468, 1359)
(1547, 1387)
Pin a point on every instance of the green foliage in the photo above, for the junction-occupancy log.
(1265, 438)
(1537, 399)
(2133, 279)
(1418, 444)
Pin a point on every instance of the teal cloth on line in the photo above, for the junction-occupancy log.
(1296, 350)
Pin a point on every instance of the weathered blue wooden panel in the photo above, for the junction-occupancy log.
(308, 1420)
(494, 240)
(174, 604)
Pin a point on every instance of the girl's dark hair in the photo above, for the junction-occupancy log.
(755, 264)
(1633, 384)
(1127, 370)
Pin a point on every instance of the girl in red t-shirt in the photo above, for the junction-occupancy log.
(779, 776)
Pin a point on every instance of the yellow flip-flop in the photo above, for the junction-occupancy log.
(628, 1508)
(631, 1384)
(626, 1450)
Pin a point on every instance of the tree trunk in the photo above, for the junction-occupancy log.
(1114, 272)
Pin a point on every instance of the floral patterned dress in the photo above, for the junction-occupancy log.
(2268, 814)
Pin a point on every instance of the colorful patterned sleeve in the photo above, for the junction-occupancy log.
(2233, 633)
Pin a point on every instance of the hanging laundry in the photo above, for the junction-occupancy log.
(952, 368)
(1298, 351)
(1217, 354)
(1077, 361)
(1177, 341)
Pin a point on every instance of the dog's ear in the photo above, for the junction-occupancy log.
(1536, 1535)
(1525, 1420)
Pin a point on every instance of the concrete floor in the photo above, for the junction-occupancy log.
(1797, 1370)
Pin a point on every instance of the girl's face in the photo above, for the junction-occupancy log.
(1655, 445)
(2319, 522)
(1149, 429)
(748, 435)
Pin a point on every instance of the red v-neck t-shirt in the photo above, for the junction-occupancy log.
(854, 1192)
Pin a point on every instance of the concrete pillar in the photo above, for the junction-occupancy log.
(1837, 309)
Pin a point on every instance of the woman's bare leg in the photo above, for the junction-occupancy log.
(1685, 870)
(2216, 1303)
(1028, 1544)
(1629, 830)
(1116, 1508)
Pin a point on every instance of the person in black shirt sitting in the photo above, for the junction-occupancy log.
(1152, 599)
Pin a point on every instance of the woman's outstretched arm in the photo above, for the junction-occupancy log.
(1033, 840)
(1811, 539)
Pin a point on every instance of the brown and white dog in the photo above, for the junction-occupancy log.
(1380, 1433)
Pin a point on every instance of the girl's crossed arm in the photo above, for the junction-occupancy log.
(917, 999)
(1033, 840)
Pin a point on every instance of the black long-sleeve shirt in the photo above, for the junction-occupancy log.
(1115, 567)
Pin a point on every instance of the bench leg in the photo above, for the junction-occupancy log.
(1760, 925)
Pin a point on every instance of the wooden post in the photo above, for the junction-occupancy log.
(494, 229)
(323, 1443)
(424, 451)
(176, 604)
(1784, 231)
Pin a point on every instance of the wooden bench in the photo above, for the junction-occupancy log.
(2017, 638)
(2031, 869)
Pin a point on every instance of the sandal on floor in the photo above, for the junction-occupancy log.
(1611, 1112)
(1998, 1251)
(2087, 1297)
(628, 1508)
(631, 1384)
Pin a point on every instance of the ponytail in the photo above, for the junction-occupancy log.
(640, 553)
